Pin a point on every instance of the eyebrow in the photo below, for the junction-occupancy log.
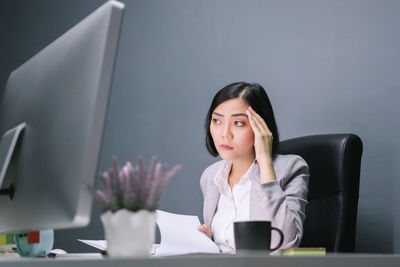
(233, 115)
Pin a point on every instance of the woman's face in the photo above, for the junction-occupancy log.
(231, 130)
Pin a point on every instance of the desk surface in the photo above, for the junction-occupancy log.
(198, 260)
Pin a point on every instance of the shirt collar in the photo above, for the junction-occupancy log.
(252, 174)
(221, 177)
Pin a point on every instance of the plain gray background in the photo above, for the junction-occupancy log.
(328, 67)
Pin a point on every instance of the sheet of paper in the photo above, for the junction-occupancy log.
(179, 235)
(102, 245)
(99, 244)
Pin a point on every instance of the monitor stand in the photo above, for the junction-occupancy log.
(42, 241)
(9, 148)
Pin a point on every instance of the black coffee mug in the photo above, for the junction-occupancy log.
(255, 235)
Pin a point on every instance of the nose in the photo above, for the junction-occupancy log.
(227, 133)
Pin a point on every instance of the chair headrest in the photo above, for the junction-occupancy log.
(333, 160)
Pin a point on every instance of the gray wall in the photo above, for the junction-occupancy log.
(328, 66)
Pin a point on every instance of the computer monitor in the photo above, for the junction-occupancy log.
(52, 118)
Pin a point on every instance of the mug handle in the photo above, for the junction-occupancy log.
(281, 241)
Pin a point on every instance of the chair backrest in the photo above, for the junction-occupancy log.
(331, 214)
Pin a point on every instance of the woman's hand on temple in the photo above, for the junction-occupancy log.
(205, 229)
(263, 138)
(263, 141)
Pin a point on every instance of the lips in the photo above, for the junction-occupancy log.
(226, 147)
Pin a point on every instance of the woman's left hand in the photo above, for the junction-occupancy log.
(263, 138)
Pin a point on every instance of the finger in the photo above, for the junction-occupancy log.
(205, 230)
(261, 125)
(257, 123)
(253, 124)
(260, 121)
(258, 118)
(203, 227)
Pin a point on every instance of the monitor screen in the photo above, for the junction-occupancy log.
(52, 118)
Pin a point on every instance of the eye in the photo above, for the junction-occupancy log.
(216, 121)
(239, 123)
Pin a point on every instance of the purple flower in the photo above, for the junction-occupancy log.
(133, 187)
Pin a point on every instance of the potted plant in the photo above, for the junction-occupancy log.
(128, 201)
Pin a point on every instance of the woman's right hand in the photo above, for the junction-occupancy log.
(205, 229)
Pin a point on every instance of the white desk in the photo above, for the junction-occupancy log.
(253, 260)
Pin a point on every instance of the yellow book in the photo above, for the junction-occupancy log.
(301, 251)
(6, 239)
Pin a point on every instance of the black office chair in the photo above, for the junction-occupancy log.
(331, 214)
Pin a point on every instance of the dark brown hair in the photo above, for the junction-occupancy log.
(255, 95)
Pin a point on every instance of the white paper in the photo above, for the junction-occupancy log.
(102, 245)
(179, 235)
(99, 244)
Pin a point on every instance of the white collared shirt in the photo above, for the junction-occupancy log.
(233, 205)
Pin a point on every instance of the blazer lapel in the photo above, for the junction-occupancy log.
(255, 209)
(210, 203)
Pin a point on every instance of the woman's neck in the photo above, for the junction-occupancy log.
(238, 169)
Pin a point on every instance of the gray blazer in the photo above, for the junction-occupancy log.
(282, 202)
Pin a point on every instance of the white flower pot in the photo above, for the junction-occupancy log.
(128, 233)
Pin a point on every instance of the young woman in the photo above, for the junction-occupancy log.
(251, 182)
